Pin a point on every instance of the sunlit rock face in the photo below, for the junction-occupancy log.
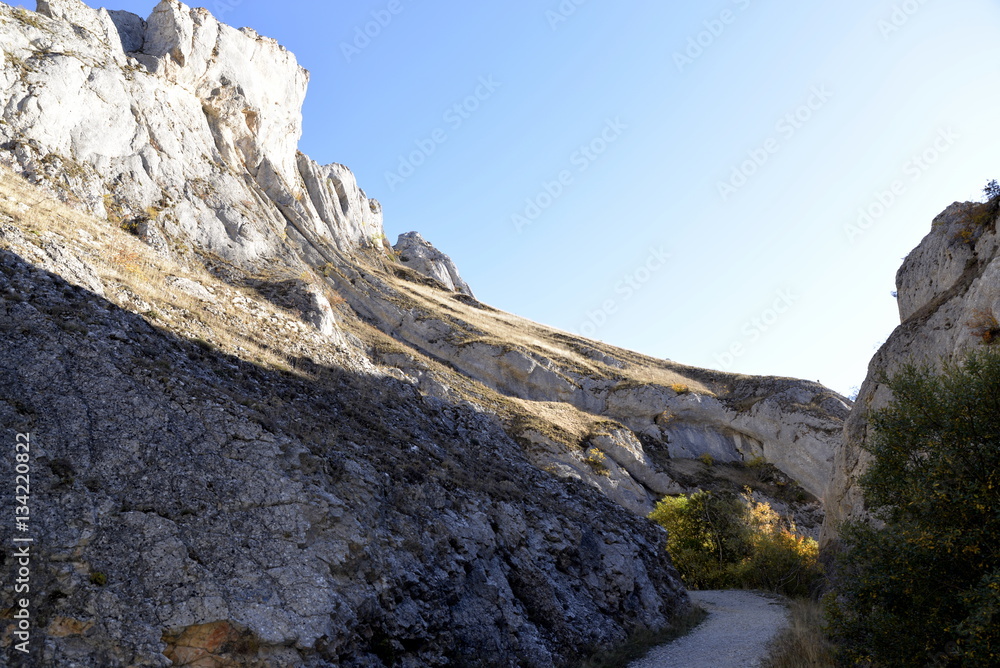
(949, 300)
(178, 119)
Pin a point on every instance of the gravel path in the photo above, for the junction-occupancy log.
(736, 633)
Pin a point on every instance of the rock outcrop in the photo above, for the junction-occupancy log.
(949, 301)
(684, 412)
(418, 254)
(180, 122)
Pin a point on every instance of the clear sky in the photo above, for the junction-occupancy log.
(681, 179)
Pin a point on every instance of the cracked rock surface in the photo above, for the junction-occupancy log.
(334, 520)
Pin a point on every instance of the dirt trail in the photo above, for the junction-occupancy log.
(735, 635)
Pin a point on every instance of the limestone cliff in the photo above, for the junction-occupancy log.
(949, 299)
(180, 124)
(264, 436)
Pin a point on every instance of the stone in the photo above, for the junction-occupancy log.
(131, 30)
(948, 288)
(190, 287)
(181, 114)
(419, 255)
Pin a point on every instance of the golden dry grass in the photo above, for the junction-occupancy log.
(239, 322)
(135, 276)
(803, 644)
(499, 328)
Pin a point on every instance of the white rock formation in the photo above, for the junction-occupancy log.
(795, 425)
(179, 119)
(185, 130)
(948, 286)
(421, 256)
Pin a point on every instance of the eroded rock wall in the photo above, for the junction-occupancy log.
(179, 122)
(949, 297)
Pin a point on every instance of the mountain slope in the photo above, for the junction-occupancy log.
(264, 436)
(304, 509)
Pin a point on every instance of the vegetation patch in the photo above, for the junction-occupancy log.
(28, 18)
(725, 541)
(804, 644)
(984, 325)
(981, 216)
(597, 460)
(642, 641)
(924, 589)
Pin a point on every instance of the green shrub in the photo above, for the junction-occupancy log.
(981, 216)
(597, 461)
(720, 541)
(926, 586)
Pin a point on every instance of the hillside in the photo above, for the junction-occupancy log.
(262, 435)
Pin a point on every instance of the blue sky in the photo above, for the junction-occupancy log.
(684, 180)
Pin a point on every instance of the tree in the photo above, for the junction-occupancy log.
(924, 588)
(720, 541)
(992, 190)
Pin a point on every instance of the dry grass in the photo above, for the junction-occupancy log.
(985, 326)
(504, 330)
(135, 277)
(240, 323)
(803, 644)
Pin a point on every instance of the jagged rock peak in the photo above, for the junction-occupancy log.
(178, 119)
(418, 254)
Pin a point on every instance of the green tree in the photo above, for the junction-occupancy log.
(705, 533)
(720, 541)
(924, 587)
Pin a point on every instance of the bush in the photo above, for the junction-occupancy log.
(981, 216)
(992, 190)
(984, 325)
(804, 643)
(720, 541)
(926, 586)
(597, 461)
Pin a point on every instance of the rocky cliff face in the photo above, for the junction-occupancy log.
(200, 499)
(263, 436)
(180, 124)
(949, 299)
